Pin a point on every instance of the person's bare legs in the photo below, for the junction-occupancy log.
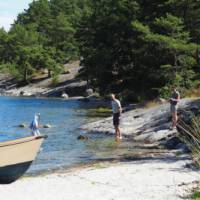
(117, 132)
(174, 119)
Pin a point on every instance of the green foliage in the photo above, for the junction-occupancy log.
(104, 37)
(13, 69)
(147, 51)
(43, 36)
(136, 48)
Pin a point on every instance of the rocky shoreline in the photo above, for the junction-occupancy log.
(149, 126)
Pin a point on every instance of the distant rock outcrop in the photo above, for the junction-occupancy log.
(41, 86)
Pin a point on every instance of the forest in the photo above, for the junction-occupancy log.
(135, 48)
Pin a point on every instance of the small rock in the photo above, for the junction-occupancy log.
(172, 143)
(82, 137)
(195, 110)
(89, 91)
(136, 116)
(65, 95)
(66, 72)
(47, 126)
(44, 71)
(28, 94)
(183, 148)
(22, 126)
(21, 93)
(181, 184)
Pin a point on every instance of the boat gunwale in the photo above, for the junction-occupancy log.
(21, 140)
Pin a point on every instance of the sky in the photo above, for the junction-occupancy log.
(9, 9)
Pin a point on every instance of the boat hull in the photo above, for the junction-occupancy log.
(16, 156)
(9, 174)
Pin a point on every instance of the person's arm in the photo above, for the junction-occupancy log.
(120, 107)
(37, 125)
(177, 99)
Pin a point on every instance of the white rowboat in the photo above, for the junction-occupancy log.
(16, 156)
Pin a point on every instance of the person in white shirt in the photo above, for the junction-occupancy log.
(117, 110)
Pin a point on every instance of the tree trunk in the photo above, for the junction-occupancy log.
(197, 56)
(175, 63)
(25, 75)
(185, 9)
(49, 73)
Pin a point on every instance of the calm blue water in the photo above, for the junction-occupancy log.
(61, 149)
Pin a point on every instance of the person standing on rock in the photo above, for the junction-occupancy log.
(174, 100)
(117, 110)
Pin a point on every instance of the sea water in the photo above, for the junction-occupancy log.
(61, 149)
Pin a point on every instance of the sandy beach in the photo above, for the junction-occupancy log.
(158, 179)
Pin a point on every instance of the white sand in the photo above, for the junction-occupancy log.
(138, 180)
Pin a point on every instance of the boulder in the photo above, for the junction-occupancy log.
(65, 95)
(172, 143)
(89, 91)
(47, 126)
(28, 94)
(2, 92)
(195, 110)
(22, 126)
(44, 71)
(21, 93)
(82, 137)
(66, 72)
(183, 148)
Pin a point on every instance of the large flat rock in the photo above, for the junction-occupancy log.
(151, 124)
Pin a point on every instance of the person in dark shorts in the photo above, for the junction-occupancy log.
(117, 110)
(174, 100)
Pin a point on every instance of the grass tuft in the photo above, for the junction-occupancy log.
(151, 104)
(190, 134)
(195, 195)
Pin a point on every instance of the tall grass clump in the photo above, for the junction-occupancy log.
(190, 134)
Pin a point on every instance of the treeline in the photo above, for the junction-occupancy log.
(140, 48)
(42, 37)
(137, 48)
